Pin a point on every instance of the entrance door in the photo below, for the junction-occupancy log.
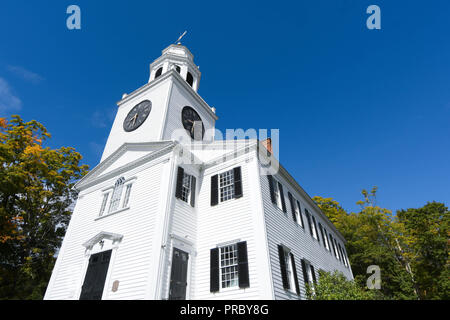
(178, 276)
(94, 281)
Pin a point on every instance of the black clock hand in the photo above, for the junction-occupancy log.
(134, 118)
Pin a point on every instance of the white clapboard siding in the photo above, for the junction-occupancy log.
(183, 223)
(231, 220)
(281, 229)
(132, 263)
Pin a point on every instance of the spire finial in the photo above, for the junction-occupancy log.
(178, 41)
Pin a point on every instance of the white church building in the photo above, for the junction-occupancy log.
(173, 212)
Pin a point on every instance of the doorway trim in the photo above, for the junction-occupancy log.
(183, 244)
(115, 239)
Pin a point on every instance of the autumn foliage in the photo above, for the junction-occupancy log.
(36, 195)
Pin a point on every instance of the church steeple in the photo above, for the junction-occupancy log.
(177, 57)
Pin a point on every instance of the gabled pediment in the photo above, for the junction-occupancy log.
(127, 156)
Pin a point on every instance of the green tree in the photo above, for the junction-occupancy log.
(373, 239)
(335, 286)
(426, 233)
(35, 198)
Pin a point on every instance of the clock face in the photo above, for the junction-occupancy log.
(192, 123)
(137, 116)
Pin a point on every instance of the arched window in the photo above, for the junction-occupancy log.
(190, 79)
(158, 72)
(178, 69)
(117, 193)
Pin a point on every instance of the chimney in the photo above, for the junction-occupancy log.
(268, 144)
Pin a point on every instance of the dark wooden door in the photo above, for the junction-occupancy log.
(94, 281)
(178, 276)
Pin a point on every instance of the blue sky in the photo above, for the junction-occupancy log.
(355, 107)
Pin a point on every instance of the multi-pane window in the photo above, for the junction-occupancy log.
(344, 256)
(118, 199)
(104, 202)
(186, 188)
(310, 273)
(226, 180)
(314, 228)
(335, 248)
(116, 195)
(127, 196)
(289, 270)
(298, 213)
(325, 238)
(312, 224)
(312, 277)
(332, 244)
(229, 273)
(278, 191)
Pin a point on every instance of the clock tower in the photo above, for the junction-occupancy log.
(168, 107)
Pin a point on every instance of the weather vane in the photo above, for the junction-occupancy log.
(178, 41)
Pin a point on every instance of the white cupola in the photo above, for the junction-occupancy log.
(177, 57)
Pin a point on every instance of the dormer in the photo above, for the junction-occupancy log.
(176, 57)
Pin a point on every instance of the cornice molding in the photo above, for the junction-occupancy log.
(91, 179)
(296, 186)
(174, 75)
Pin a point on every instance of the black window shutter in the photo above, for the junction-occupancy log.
(308, 217)
(193, 182)
(346, 256)
(313, 274)
(328, 239)
(337, 250)
(300, 213)
(291, 200)
(283, 267)
(214, 190)
(244, 280)
(305, 273)
(332, 244)
(321, 233)
(315, 227)
(272, 191)
(180, 176)
(340, 252)
(214, 270)
(237, 182)
(297, 288)
(283, 203)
